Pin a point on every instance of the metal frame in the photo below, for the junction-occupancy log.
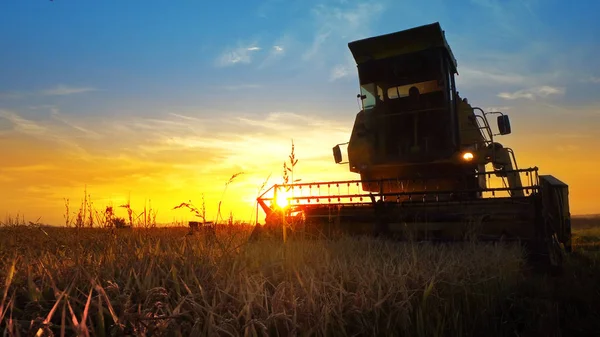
(268, 204)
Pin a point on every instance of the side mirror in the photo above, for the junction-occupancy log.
(504, 125)
(337, 154)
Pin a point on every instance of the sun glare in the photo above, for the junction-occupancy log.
(283, 198)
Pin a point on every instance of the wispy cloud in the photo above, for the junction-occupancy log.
(188, 118)
(339, 71)
(29, 168)
(333, 26)
(259, 143)
(498, 108)
(242, 54)
(572, 136)
(533, 93)
(61, 90)
(315, 47)
(476, 76)
(591, 79)
(336, 25)
(57, 115)
(170, 156)
(506, 16)
(236, 87)
(23, 125)
(44, 130)
(568, 148)
(11, 95)
(278, 50)
(344, 69)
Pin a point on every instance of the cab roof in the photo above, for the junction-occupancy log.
(407, 41)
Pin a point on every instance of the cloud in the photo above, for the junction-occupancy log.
(62, 90)
(477, 77)
(238, 55)
(241, 87)
(259, 143)
(568, 148)
(188, 118)
(29, 168)
(336, 25)
(169, 153)
(23, 125)
(339, 71)
(591, 79)
(343, 70)
(57, 115)
(333, 25)
(318, 41)
(11, 95)
(498, 108)
(44, 130)
(573, 136)
(59, 90)
(533, 93)
(278, 50)
(506, 16)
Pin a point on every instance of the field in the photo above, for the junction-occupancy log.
(166, 281)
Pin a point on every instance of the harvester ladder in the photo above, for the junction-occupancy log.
(486, 130)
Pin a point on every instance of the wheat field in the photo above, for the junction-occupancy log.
(170, 282)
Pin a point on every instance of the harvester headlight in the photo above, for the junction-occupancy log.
(468, 156)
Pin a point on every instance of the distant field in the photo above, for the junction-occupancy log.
(165, 282)
(579, 222)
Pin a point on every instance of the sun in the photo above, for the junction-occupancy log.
(283, 198)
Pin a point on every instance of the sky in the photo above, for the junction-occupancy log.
(161, 102)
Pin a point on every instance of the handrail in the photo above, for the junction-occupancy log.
(406, 178)
(419, 192)
(487, 139)
(531, 172)
(512, 154)
(487, 127)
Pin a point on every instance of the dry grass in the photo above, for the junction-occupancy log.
(149, 281)
(168, 281)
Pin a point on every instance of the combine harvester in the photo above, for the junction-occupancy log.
(421, 152)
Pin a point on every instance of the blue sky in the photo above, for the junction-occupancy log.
(188, 84)
(188, 53)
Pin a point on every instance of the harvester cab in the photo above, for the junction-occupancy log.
(421, 152)
(413, 123)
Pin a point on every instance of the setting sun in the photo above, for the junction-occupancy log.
(283, 198)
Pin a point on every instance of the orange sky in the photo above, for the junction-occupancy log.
(47, 161)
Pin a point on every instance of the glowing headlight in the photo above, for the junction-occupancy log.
(467, 156)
